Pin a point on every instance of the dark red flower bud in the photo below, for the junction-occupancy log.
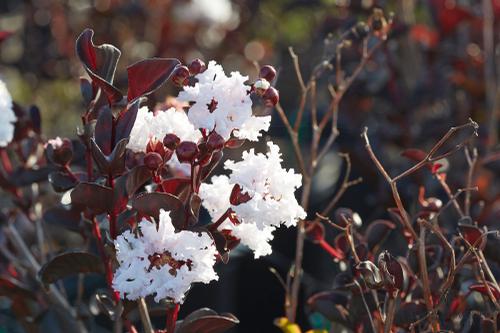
(271, 97)
(179, 78)
(153, 161)
(155, 145)
(237, 197)
(215, 141)
(60, 152)
(186, 151)
(267, 72)
(171, 141)
(197, 66)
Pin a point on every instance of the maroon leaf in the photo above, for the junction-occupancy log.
(175, 186)
(206, 321)
(377, 232)
(194, 209)
(473, 235)
(103, 129)
(69, 263)
(127, 185)
(393, 273)
(481, 288)
(100, 64)
(61, 216)
(151, 203)
(61, 182)
(216, 158)
(96, 197)
(147, 75)
(126, 121)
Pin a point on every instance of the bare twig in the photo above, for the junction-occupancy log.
(471, 161)
(144, 314)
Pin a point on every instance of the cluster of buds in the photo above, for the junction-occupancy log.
(157, 154)
(262, 86)
(181, 75)
(59, 151)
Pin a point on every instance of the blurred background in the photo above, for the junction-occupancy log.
(436, 70)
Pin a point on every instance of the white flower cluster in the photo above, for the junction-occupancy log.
(150, 125)
(7, 116)
(162, 262)
(222, 103)
(272, 200)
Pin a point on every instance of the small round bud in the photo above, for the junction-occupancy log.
(267, 72)
(153, 161)
(197, 66)
(171, 141)
(271, 97)
(260, 86)
(186, 151)
(215, 141)
(180, 76)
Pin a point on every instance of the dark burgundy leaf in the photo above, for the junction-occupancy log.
(127, 184)
(25, 177)
(151, 203)
(234, 143)
(377, 232)
(371, 274)
(332, 305)
(175, 186)
(61, 182)
(206, 321)
(194, 209)
(216, 158)
(126, 120)
(147, 75)
(69, 263)
(393, 273)
(103, 129)
(473, 235)
(61, 216)
(100, 64)
(481, 288)
(96, 197)
(86, 90)
(104, 302)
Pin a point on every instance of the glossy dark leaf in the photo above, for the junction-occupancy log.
(96, 197)
(86, 90)
(377, 232)
(125, 120)
(206, 321)
(207, 171)
(100, 64)
(61, 182)
(127, 184)
(194, 209)
(147, 75)
(103, 129)
(332, 305)
(104, 302)
(176, 186)
(69, 263)
(473, 235)
(393, 273)
(25, 177)
(151, 203)
(61, 216)
(114, 163)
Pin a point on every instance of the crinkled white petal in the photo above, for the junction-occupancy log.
(233, 110)
(7, 116)
(135, 277)
(272, 203)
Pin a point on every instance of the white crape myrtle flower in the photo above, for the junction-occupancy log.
(222, 103)
(162, 262)
(148, 125)
(271, 189)
(7, 116)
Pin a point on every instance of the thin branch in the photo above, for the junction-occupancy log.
(144, 314)
(471, 161)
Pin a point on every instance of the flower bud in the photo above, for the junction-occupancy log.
(237, 197)
(180, 76)
(197, 66)
(186, 151)
(267, 72)
(271, 97)
(153, 161)
(60, 151)
(215, 141)
(171, 141)
(260, 86)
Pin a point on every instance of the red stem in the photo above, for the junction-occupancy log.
(221, 219)
(172, 314)
(7, 165)
(331, 251)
